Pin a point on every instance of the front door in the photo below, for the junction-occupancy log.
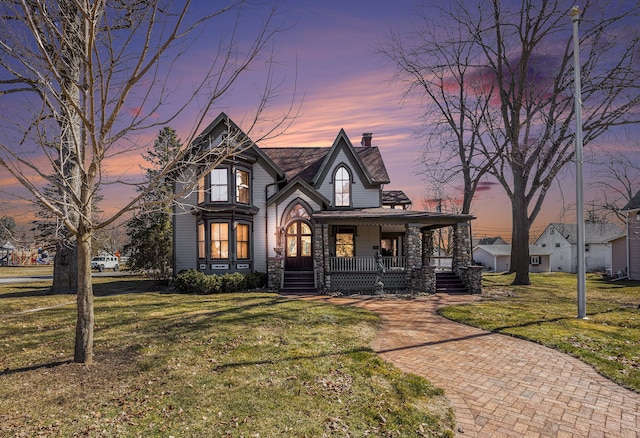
(299, 255)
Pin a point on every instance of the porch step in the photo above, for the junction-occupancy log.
(298, 283)
(449, 283)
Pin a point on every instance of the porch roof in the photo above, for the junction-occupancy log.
(385, 216)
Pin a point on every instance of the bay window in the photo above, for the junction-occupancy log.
(242, 187)
(219, 185)
(219, 240)
(242, 241)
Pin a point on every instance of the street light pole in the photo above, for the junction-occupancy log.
(582, 299)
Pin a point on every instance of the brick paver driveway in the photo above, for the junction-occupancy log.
(500, 386)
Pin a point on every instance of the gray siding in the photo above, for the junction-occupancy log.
(633, 236)
(185, 239)
(361, 196)
(263, 224)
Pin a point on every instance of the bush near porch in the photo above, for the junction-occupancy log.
(196, 282)
(545, 312)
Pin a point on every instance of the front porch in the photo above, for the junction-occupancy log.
(385, 250)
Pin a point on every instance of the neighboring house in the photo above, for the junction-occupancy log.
(618, 267)
(561, 242)
(317, 212)
(490, 241)
(632, 211)
(496, 257)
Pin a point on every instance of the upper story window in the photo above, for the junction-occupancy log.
(201, 190)
(342, 187)
(219, 185)
(243, 191)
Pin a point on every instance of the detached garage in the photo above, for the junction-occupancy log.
(496, 258)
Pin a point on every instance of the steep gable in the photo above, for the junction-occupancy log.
(593, 232)
(633, 204)
(343, 144)
(223, 125)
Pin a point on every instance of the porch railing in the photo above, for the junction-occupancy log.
(365, 264)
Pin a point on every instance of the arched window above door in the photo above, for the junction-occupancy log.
(298, 211)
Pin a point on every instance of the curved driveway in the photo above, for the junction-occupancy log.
(500, 386)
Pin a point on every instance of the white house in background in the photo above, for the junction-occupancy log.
(497, 258)
(560, 240)
(632, 210)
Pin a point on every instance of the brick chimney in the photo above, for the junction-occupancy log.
(366, 139)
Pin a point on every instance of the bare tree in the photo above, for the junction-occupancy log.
(92, 76)
(439, 64)
(524, 50)
(617, 178)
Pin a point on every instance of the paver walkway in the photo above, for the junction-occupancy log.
(500, 386)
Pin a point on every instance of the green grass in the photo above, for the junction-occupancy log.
(25, 271)
(546, 311)
(220, 365)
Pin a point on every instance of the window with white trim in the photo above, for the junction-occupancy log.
(534, 260)
(219, 185)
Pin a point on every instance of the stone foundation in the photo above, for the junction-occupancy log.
(471, 276)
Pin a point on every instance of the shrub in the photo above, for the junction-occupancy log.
(215, 284)
(191, 282)
(256, 280)
(196, 282)
(233, 282)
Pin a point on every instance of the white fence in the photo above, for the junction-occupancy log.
(365, 264)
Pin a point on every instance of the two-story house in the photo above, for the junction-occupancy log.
(560, 240)
(629, 247)
(314, 217)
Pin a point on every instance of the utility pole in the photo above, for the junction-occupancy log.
(582, 299)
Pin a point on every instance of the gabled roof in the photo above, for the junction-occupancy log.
(299, 184)
(395, 197)
(491, 241)
(505, 250)
(306, 162)
(223, 121)
(593, 232)
(633, 204)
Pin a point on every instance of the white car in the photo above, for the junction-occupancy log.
(105, 262)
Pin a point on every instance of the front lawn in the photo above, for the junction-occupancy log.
(546, 311)
(218, 365)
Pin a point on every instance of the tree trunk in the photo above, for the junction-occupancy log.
(65, 268)
(84, 326)
(519, 234)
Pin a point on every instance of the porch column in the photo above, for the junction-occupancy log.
(413, 252)
(461, 247)
(427, 247)
(321, 255)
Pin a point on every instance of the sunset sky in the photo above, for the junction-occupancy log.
(327, 53)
